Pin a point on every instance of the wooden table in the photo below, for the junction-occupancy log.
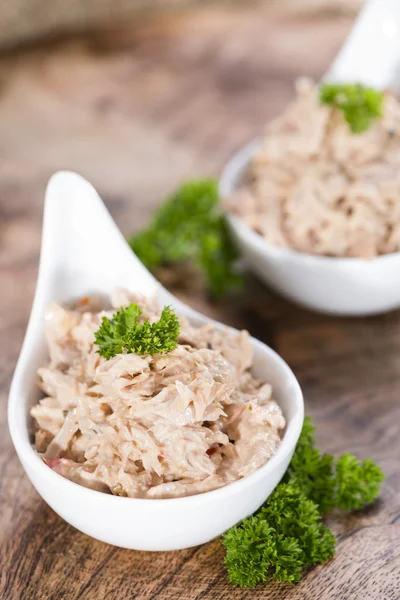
(136, 111)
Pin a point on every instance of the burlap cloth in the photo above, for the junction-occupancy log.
(24, 21)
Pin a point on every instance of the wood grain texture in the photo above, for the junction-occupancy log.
(136, 112)
(23, 20)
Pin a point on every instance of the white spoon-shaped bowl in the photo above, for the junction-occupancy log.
(339, 286)
(83, 252)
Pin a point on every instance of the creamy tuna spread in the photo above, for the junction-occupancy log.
(315, 187)
(176, 424)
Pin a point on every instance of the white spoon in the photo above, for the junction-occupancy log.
(83, 252)
(342, 286)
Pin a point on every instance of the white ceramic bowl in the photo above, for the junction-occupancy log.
(338, 286)
(84, 252)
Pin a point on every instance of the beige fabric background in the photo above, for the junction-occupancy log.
(23, 21)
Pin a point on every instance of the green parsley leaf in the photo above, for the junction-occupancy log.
(283, 538)
(287, 535)
(357, 483)
(123, 332)
(313, 472)
(349, 484)
(189, 227)
(360, 105)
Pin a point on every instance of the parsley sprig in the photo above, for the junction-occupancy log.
(189, 227)
(359, 104)
(123, 332)
(287, 534)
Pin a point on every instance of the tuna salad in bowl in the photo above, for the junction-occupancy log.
(171, 424)
(140, 421)
(314, 204)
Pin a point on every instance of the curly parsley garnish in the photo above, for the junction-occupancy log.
(287, 534)
(360, 105)
(189, 227)
(349, 484)
(123, 332)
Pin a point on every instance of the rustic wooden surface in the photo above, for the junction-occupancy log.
(137, 111)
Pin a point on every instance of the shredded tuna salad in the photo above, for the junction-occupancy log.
(315, 187)
(159, 426)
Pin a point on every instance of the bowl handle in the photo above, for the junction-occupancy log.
(371, 53)
(83, 251)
